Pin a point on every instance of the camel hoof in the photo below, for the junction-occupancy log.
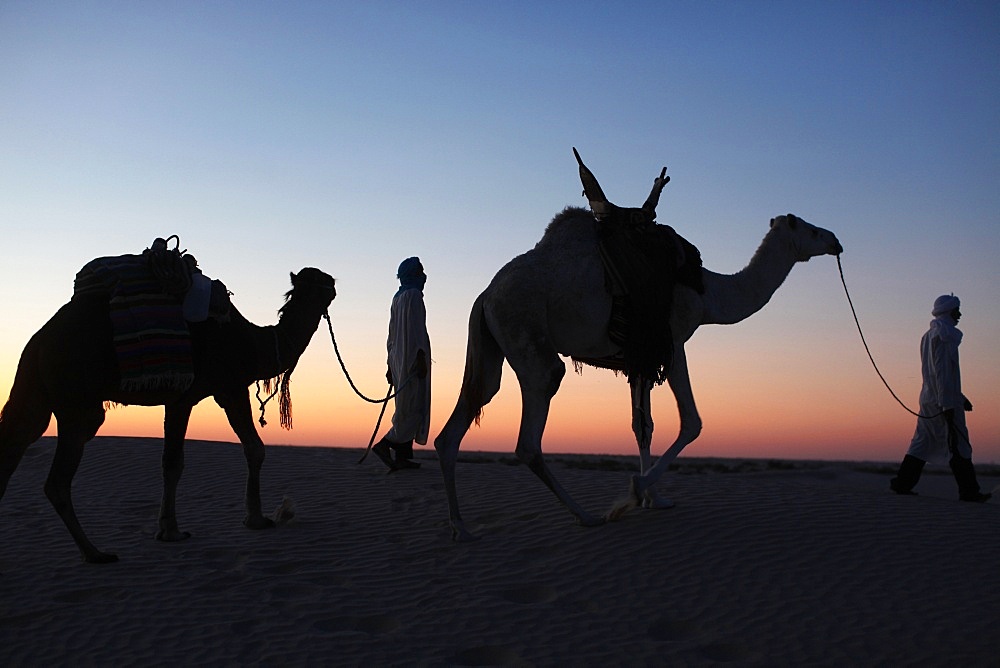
(637, 489)
(462, 535)
(259, 522)
(101, 558)
(172, 535)
(633, 500)
(588, 521)
(654, 502)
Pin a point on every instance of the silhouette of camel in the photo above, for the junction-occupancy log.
(69, 369)
(553, 300)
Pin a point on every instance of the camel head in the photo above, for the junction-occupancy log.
(807, 240)
(605, 210)
(312, 285)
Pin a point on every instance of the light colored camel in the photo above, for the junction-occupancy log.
(553, 301)
(69, 369)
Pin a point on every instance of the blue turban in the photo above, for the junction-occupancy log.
(411, 274)
(945, 304)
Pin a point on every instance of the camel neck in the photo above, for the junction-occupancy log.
(287, 340)
(735, 297)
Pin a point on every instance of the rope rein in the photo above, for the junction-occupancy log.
(875, 366)
(385, 401)
(347, 375)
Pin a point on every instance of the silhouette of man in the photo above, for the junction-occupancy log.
(943, 432)
(409, 356)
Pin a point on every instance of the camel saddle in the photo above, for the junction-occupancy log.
(151, 297)
(643, 261)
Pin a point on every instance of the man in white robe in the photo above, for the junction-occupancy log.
(941, 432)
(409, 370)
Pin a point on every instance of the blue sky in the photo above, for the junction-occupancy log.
(348, 136)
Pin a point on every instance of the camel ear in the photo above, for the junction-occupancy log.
(599, 204)
(293, 276)
(793, 221)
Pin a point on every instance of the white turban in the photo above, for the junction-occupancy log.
(945, 304)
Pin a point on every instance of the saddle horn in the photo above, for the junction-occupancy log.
(602, 208)
(654, 196)
(599, 203)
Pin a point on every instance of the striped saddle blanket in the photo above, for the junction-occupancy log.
(151, 338)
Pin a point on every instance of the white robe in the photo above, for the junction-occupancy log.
(408, 335)
(942, 389)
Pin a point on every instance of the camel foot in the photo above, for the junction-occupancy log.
(460, 534)
(651, 500)
(172, 535)
(258, 522)
(100, 558)
(590, 521)
(633, 500)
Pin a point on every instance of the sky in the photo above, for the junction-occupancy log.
(271, 136)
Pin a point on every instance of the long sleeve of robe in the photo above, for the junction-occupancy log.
(408, 336)
(941, 391)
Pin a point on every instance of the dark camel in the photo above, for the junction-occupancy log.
(69, 369)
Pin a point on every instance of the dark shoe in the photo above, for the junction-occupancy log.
(406, 464)
(402, 450)
(894, 486)
(381, 451)
(908, 475)
(965, 476)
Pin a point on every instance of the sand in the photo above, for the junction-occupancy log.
(760, 563)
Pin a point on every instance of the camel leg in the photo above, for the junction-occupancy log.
(446, 445)
(74, 432)
(480, 383)
(535, 401)
(690, 428)
(241, 420)
(18, 430)
(680, 384)
(642, 427)
(175, 423)
(450, 439)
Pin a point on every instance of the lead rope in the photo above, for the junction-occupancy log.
(951, 428)
(865, 343)
(378, 422)
(388, 395)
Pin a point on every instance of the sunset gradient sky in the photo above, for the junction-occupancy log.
(349, 135)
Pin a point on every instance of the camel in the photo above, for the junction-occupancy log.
(69, 369)
(553, 300)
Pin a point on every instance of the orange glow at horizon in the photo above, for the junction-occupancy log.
(591, 415)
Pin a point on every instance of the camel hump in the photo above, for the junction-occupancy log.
(159, 268)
